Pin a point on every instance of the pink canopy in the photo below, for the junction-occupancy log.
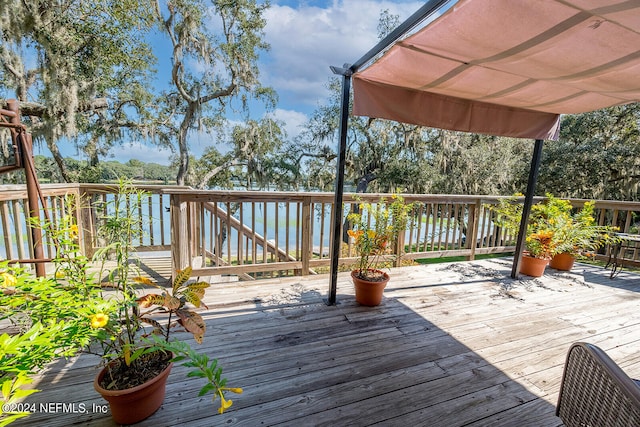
(498, 67)
(507, 67)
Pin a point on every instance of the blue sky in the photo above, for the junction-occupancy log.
(306, 37)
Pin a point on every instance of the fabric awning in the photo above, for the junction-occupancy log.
(507, 67)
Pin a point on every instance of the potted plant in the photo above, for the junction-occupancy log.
(539, 240)
(375, 231)
(127, 326)
(556, 235)
(135, 357)
(540, 250)
(577, 234)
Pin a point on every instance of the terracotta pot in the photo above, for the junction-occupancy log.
(533, 267)
(134, 404)
(369, 292)
(563, 261)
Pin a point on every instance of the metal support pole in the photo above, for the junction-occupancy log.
(339, 184)
(528, 202)
(24, 144)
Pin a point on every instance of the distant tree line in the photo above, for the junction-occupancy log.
(107, 171)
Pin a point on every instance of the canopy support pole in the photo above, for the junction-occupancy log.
(528, 202)
(336, 234)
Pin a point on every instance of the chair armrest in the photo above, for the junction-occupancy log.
(595, 391)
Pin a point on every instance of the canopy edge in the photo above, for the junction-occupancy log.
(378, 100)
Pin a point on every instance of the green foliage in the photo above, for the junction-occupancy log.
(12, 393)
(554, 226)
(254, 161)
(376, 229)
(174, 303)
(596, 157)
(577, 233)
(50, 317)
(104, 172)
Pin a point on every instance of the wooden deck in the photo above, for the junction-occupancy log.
(459, 344)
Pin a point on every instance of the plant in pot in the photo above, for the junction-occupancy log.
(375, 231)
(140, 360)
(136, 358)
(540, 250)
(577, 235)
(555, 232)
(539, 240)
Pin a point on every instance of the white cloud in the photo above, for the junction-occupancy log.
(306, 40)
(293, 120)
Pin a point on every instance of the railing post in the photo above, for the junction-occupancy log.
(179, 234)
(86, 216)
(399, 249)
(195, 231)
(306, 235)
(472, 228)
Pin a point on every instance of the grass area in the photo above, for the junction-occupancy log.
(459, 258)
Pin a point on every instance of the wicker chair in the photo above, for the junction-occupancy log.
(595, 392)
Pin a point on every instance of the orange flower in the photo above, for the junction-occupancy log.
(356, 234)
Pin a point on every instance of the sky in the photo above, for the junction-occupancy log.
(306, 37)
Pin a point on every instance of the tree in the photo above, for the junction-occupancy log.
(214, 60)
(253, 161)
(75, 58)
(596, 157)
(480, 164)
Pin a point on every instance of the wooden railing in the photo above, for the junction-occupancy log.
(252, 234)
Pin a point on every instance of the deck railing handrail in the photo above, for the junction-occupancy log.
(258, 233)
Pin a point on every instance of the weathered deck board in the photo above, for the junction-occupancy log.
(451, 345)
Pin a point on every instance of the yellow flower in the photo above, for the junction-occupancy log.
(371, 234)
(73, 231)
(60, 274)
(9, 280)
(99, 320)
(226, 404)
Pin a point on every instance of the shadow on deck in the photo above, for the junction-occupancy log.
(458, 344)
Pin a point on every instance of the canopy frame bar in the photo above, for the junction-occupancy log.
(528, 202)
(428, 9)
(339, 183)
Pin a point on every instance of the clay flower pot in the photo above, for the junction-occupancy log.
(134, 404)
(532, 266)
(563, 261)
(369, 292)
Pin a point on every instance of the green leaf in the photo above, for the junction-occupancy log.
(206, 389)
(196, 374)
